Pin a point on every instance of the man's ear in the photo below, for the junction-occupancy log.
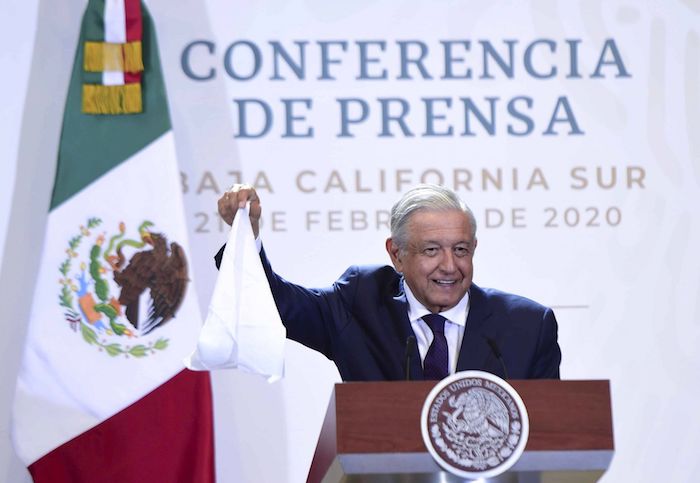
(394, 253)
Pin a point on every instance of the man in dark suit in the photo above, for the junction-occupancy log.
(369, 321)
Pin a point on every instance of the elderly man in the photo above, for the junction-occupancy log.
(369, 319)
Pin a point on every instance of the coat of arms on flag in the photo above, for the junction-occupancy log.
(117, 289)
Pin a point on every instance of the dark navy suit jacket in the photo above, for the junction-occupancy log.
(361, 323)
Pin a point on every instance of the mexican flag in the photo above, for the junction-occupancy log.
(102, 394)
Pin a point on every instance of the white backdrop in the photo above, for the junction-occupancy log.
(593, 138)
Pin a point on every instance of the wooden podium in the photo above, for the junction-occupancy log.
(372, 434)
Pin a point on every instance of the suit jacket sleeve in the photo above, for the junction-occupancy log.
(548, 354)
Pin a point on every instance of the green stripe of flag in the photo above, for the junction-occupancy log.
(93, 29)
(92, 145)
(93, 21)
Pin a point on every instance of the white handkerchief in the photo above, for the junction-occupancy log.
(243, 328)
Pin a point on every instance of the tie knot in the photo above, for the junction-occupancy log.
(436, 322)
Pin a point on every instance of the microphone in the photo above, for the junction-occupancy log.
(496, 351)
(409, 353)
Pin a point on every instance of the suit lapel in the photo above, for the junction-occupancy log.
(475, 351)
(398, 309)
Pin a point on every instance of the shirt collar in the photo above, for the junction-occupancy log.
(416, 310)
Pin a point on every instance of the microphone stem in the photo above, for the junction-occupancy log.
(410, 349)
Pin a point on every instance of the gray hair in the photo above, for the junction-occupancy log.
(424, 197)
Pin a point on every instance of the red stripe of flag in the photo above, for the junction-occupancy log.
(166, 437)
(134, 31)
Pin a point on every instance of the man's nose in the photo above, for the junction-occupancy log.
(447, 262)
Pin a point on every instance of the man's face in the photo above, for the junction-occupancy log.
(437, 261)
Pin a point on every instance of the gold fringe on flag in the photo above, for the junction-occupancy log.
(133, 61)
(120, 99)
(105, 56)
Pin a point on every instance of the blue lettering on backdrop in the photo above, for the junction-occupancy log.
(616, 60)
(228, 60)
(387, 117)
(527, 59)
(243, 117)
(291, 118)
(185, 60)
(372, 63)
(326, 59)
(573, 59)
(406, 59)
(488, 115)
(489, 52)
(345, 115)
(298, 67)
(450, 59)
(365, 59)
(488, 124)
(430, 116)
(569, 118)
(461, 60)
(529, 124)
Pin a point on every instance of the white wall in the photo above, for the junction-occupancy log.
(17, 32)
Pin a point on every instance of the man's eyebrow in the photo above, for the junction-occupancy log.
(425, 243)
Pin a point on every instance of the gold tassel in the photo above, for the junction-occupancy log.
(104, 56)
(132, 98)
(133, 60)
(92, 58)
(121, 99)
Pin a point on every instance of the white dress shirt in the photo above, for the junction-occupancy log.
(454, 326)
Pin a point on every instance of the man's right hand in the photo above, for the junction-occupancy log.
(236, 198)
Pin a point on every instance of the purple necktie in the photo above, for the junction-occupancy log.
(435, 362)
